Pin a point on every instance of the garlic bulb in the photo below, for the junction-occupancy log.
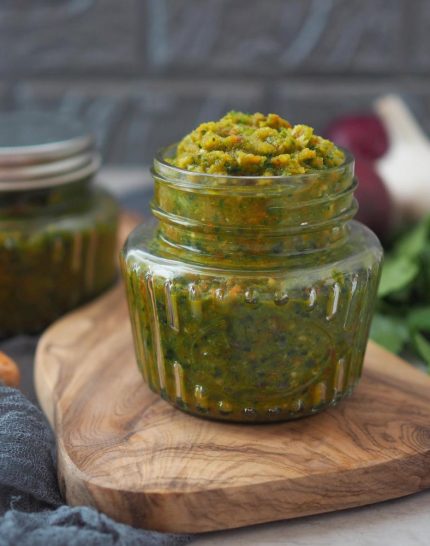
(405, 168)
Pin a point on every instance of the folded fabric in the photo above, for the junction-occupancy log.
(33, 511)
(75, 527)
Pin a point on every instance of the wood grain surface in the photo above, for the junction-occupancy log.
(127, 452)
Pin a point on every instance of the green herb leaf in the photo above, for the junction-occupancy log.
(390, 332)
(422, 346)
(404, 294)
(398, 272)
(413, 242)
(419, 325)
(419, 319)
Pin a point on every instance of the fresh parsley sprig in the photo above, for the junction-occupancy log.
(402, 319)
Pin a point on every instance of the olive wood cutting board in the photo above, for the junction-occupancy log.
(131, 455)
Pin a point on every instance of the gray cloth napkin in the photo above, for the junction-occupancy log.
(32, 512)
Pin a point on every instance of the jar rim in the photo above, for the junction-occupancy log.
(36, 153)
(183, 177)
(52, 181)
(27, 173)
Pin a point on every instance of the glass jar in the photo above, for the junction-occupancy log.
(58, 233)
(251, 298)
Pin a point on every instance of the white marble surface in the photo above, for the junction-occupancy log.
(401, 522)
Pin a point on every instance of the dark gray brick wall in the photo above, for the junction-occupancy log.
(276, 36)
(79, 37)
(142, 72)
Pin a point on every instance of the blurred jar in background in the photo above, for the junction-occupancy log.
(58, 232)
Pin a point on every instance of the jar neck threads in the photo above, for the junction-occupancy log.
(223, 219)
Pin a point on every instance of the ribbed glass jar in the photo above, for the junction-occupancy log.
(58, 233)
(251, 298)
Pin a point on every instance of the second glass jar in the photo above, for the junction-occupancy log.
(58, 232)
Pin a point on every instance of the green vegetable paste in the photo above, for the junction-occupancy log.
(57, 250)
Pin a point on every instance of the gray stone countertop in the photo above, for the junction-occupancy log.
(402, 522)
